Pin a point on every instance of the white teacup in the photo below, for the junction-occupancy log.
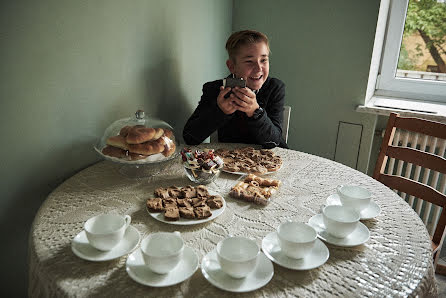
(237, 256)
(354, 196)
(296, 239)
(340, 221)
(105, 231)
(162, 251)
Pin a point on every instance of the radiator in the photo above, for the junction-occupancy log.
(428, 213)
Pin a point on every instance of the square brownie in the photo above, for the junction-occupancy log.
(202, 191)
(187, 212)
(170, 202)
(174, 192)
(161, 193)
(215, 202)
(172, 213)
(202, 212)
(198, 202)
(155, 205)
(188, 192)
(183, 203)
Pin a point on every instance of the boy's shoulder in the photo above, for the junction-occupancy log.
(273, 82)
(272, 85)
(212, 89)
(213, 84)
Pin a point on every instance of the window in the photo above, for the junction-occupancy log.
(409, 55)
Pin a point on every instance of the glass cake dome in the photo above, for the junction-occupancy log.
(138, 140)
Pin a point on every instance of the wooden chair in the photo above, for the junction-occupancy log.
(412, 162)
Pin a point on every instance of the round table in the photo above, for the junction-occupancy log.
(395, 261)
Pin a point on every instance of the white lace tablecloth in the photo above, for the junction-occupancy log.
(396, 261)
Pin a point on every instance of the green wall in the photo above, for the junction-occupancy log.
(322, 51)
(69, 69)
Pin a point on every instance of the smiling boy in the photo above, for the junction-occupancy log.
(251, 115)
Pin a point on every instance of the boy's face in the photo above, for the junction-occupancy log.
(252, 64)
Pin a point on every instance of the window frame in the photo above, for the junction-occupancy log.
(382, 78)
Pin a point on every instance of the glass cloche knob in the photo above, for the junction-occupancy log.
(139, 114)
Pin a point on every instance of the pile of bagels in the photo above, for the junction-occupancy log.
(139, 142)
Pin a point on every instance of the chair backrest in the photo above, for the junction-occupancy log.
(412, 162)
(213, 138)
(286, 122)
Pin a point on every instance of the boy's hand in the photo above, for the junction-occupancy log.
(245, 100)
(225, 104)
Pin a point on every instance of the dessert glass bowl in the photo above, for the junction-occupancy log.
(201, 176)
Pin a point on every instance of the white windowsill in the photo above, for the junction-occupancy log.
(405, 107)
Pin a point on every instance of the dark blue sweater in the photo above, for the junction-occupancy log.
(237, 127)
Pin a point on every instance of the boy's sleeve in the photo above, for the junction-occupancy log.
(268, 128)
(206, 118)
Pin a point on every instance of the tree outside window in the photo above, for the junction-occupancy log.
(424, 41)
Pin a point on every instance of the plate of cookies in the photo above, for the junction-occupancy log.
(139, 140)
(188, 205)
(255, 189)
(247, 160)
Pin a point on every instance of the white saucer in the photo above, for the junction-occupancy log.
(372, 210)
(261, 275)
(359, 236)
(82, 248)
(318, 255)
(139, 272)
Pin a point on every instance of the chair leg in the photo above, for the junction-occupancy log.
(440, 269)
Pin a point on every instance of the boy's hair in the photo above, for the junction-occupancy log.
(241, 38)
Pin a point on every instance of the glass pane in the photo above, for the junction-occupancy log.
(423, 48)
